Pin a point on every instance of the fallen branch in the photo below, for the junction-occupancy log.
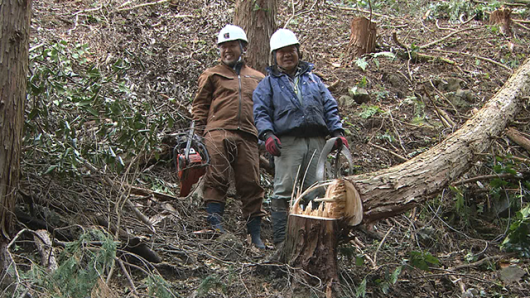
(475, 264)
(446, 37)
(518, 138)
(137, 212)
(444, 117)
(483, 177)
(388, 151)
(478, 57)
(142, 5)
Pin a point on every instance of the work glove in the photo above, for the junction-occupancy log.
(273, 144)
(337, 142)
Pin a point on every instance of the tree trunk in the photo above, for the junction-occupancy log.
(362, 37)
(258, 19)
(14, 42)
(392, 191)
(502, 17)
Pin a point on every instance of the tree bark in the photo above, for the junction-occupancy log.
(14, 43)
(362, 37)
(502, 17)
(258, 19)
(518, 138)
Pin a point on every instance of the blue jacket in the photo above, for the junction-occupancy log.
(278, 109)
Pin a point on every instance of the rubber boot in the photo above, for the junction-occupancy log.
(254, 228)
(215, 214)
(279, 222)
(279, 215)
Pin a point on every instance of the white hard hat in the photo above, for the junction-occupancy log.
(282, 38)
(231, 32)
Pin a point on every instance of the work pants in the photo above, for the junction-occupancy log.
(296, 167)
(238, 152)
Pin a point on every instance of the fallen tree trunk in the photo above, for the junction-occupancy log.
(392, 191)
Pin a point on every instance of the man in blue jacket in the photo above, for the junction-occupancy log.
(294, 112)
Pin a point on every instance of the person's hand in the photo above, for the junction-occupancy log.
(273, 145)
(337, 142)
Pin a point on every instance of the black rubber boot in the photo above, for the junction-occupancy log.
(254, 229)
(215, 215)
(279, 222)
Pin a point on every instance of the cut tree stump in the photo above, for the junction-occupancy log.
(392, 191)
(362, 37)
(502, 17)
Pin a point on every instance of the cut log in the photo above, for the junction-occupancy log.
(392, 191)
(362, 37)
(502, 17)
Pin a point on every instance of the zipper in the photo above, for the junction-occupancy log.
(240, 103)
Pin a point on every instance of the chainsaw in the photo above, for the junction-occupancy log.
(191, 158)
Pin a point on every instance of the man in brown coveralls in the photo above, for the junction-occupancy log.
(223, 107)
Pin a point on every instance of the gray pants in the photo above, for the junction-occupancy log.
(296, 167)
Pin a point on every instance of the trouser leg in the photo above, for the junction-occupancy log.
(279, 216)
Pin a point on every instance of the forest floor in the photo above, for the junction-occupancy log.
(450, 247)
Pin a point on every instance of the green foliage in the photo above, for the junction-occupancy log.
(158, 287)
(209, 283)
(453, 9)
(518, 238)
(76, 109)
(362, 63)
(386, 136)
(81, 264)
(360, 291)
(389, 280)
(363, 83)
(369, 111)
(422, 260)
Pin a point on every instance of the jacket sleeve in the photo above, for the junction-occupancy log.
(201, 104)
(331, 109)
(263, 107)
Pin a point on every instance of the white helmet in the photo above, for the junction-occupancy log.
(282, 38)
(231, 32)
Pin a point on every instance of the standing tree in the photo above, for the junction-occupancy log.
(14, 43)
(258, 19)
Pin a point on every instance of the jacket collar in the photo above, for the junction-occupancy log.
(304, 67)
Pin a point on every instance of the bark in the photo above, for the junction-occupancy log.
(311, 244)
(258, 19)
(518, 138)
(14, 43)
(362, 37)
(502, 17)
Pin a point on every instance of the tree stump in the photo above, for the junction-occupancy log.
(311, 244)
(502, 17)
(312, 233)
(362, 37)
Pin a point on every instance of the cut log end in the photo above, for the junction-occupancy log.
(341, 201)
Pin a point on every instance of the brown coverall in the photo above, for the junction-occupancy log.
(224, 108)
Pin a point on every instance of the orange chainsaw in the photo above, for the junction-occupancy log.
(191, 158)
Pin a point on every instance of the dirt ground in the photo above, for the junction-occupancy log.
(169, 44)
